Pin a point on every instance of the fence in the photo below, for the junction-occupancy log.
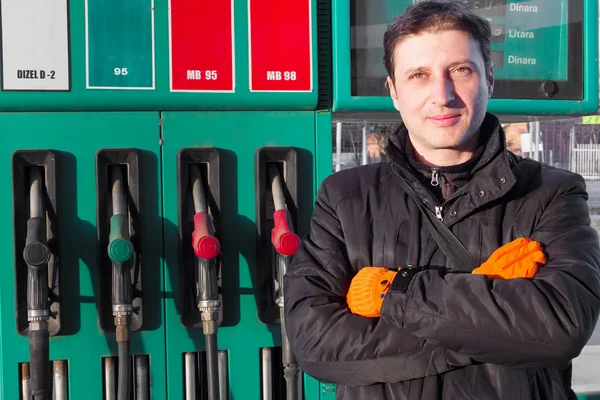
(585, 160)
(565, 143)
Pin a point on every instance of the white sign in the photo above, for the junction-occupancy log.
(35, 45)
(527, 146)
(526, 142)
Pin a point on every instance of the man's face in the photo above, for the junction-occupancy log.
(441, 89)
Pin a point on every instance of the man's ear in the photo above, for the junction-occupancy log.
(393, 94)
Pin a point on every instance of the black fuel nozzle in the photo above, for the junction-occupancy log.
(285, 243)
(121, 253)
(37, 255)
(206, 247)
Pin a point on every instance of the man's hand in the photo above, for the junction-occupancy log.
(368, 289)
(517, 259)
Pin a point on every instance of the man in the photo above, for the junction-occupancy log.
(372, 301)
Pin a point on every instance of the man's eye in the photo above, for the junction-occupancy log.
(418, 75)
(463, 70)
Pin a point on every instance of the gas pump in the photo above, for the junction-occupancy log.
(120, 251)
(285, 242)
(277, 212)
(200, 250)
(120, 294)
(36, 271)
(37, 255)
(206, 247)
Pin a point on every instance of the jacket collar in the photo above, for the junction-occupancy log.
(491, 175)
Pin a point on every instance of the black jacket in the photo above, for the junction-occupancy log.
(451, 335)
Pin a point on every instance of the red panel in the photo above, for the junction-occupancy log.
(280, 45)
(201, 45)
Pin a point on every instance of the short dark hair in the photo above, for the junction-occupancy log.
(432, 16)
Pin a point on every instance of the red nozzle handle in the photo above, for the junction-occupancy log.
(204, 243)
(284, 240)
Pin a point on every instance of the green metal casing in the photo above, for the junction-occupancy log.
(164, 337)
(81, 99)
(237, 135)
(76, 137)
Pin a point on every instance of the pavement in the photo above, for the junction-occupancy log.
(586, 370)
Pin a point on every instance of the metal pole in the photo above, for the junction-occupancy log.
(223, 375)
(25, 381)
(338, 147)
(142, 384)
(365, 158)
(190, 376)
(60, 380)
(571, 148)
(267, 380)
(110, 387)
(531, 140)
(537, 140)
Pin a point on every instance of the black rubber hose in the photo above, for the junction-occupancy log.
(39, 365)
(291, 377)
(124, 371)
(290, 368)
(212, 364)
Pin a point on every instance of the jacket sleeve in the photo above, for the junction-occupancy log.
(334, 345)
(540, 322)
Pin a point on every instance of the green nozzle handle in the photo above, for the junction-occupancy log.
(120, 248)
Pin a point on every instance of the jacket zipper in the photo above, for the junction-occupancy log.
(438, 213)
(440, 208)
(434, 177)
(434, 182)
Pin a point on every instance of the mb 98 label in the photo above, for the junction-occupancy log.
(277, 64)
(281, 76)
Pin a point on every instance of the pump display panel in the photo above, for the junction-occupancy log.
(541, 49)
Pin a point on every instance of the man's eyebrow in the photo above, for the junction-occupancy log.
(465, 61)
(454, 64)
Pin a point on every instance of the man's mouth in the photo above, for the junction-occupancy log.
(445, 119)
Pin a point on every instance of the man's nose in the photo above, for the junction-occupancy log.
(442, 92)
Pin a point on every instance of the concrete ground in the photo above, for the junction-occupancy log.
(586, 371)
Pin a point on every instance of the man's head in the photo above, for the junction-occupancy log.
(438, 59)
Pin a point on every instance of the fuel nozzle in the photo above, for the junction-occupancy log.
(285, 243)
(206, 247)
(37, 255)
(121, 252)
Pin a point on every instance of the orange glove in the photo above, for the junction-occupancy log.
(368, 289)
(517, 259)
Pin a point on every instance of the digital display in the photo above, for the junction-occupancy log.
(537, 49)
(529, 38)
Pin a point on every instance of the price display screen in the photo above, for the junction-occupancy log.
(537, 46)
